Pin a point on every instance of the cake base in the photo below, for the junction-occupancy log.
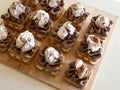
(18, 57)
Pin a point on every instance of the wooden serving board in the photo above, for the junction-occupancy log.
(58, 81)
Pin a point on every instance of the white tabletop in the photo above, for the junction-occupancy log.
(108, 75)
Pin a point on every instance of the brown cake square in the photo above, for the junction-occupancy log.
(64, 36)
(17, 16)
(40, 24)
(24, 47)
(78, 73)
(90, 49)
(100, 25)
(50, 60)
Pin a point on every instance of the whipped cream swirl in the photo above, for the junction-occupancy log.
(53, 3)
(94, 43)
(51, 55)
(81, 68)
(16, 9)
(77, 9)
(25, 41)
(78, 63)
(42, 17)
(102, 21)
(3, 32)
(65, 30)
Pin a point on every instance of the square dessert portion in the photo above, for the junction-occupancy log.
(24, 47)
(17, 16)
(40, 24)
(100, 25)
(90, 49)
(5, 38)
(78, 73)
(55, 8)
(33, 4)
(63, 36)
(76, 13)
(50, 60)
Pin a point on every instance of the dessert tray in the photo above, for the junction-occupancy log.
(58, 80)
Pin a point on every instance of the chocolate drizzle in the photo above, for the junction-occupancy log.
(21, 19)
(68, 41)
(93, 28)
(73, 75)
(52, 10)
(84, 48)
(69, 16)
(42, 62)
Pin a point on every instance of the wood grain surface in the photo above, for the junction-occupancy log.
(58, 81)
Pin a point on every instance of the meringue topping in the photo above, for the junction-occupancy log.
(51, 55)
(42, 17)
(94, 43)
(78, 64)
(66, 29)
(17, 9)
(102, 21)
(3, 32)
(53, 3)
(25, 41)
(83, 73)
(77, 9)
(81, 68)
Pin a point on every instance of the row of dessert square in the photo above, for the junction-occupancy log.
(18, 15)
(24, 48)
(40, 22)
(63, 38)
